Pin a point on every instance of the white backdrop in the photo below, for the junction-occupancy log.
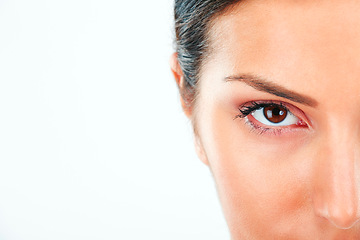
(93, 143)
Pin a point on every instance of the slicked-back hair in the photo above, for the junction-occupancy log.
(192, 22)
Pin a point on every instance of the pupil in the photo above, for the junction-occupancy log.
(275, 114)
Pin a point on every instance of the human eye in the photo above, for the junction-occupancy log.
(273, 117)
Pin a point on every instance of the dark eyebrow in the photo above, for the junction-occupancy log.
(266, 86)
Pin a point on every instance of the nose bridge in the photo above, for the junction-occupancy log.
(336, 189)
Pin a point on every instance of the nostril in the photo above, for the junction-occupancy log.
(343, 217)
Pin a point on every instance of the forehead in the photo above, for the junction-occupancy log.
(292, 43)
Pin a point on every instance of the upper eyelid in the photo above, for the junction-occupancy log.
(255, 105)
(290, 107)
(262, 105)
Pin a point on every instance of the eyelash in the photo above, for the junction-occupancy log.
(248, 108)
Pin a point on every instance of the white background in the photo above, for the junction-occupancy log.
(93, 143)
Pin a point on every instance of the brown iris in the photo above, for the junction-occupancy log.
(275, 114)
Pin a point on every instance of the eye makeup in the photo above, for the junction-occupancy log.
(270, 117)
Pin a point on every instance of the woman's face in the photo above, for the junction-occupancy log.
(278, 118)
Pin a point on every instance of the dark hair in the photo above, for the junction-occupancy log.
(192, 23)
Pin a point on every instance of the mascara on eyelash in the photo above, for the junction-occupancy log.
(246, 110)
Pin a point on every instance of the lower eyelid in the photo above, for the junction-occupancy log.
(262, 129)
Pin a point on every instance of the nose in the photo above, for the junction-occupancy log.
(336, 178)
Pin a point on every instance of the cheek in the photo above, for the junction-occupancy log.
(259, 184)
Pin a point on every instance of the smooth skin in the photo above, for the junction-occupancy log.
(284, 182)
